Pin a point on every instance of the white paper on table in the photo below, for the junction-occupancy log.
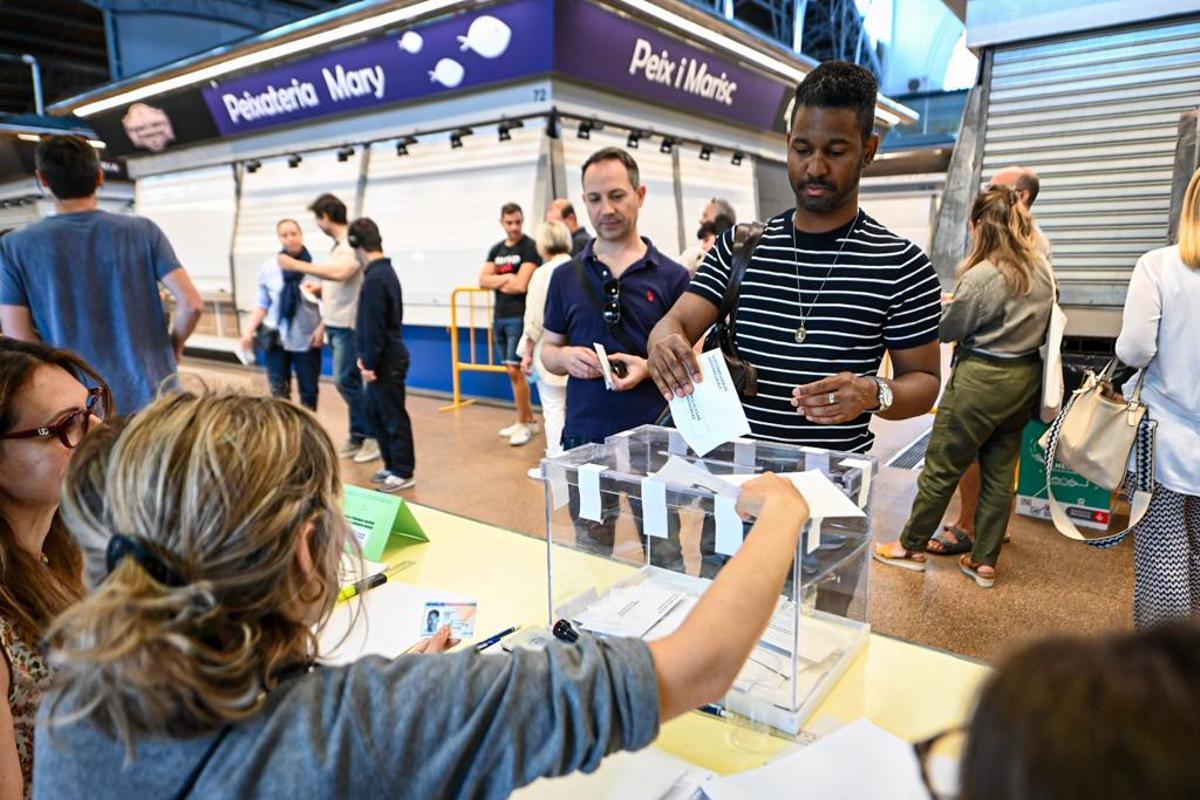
(729, 525)
(684, 472)
(864, 490)
(816, 643)
(629, 610)
(605, 367)
(654, 507)
(648, 774)
(832, 768)
(389, 625)
(589, 492)
(825, 500)
(712, 414)
(671, 622)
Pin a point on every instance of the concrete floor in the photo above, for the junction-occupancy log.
(1047, 584)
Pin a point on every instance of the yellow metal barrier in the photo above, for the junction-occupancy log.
(473, 364)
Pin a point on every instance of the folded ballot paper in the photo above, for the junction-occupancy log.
(712, 414)
(825, 500)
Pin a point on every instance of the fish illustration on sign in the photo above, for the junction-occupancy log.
(487, 36)
(411, 42)
(447, 72)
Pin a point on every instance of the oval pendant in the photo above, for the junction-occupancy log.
(801, 334)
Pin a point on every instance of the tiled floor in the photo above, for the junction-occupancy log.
(1047, 583)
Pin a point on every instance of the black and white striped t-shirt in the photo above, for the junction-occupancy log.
(882, 294)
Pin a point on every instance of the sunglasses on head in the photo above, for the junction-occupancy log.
(612, 302)
(71, 429)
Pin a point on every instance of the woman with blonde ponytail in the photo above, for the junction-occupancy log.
(212, 535)
(1160, 334)
(999, 316)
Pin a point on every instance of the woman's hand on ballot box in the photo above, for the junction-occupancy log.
(699, 662)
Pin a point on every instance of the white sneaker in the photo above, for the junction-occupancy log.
(511, 429)
(350, 449)
(380, 477)
(394, 483)
(522, 435)
(535, 473)
(368, 452)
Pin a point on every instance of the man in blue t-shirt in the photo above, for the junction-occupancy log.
(613, 294)
(87, 280)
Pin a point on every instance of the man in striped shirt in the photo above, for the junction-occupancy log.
(828, 291)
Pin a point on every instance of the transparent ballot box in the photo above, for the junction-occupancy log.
(637, 528)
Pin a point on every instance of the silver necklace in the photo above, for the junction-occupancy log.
(802, 332)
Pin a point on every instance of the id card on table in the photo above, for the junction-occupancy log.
(459, 616)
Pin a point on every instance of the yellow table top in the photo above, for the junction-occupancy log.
(909, 690)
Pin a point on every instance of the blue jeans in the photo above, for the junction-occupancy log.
(506, 333)
(307, 366)
(349, 379)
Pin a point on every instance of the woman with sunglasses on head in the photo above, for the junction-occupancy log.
(45, 411)
(213, 533)
(999, 317)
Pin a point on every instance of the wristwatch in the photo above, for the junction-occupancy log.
(885, 395)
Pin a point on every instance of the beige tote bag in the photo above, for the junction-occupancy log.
(1094, 437)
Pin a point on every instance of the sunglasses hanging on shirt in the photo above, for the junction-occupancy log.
(612, 302)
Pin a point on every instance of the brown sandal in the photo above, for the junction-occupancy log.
(910, 560)
(970, 568)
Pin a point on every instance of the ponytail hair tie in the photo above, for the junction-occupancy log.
(120, 546)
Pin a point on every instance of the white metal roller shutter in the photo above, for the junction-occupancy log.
(1096, 115)
(659, 218)
(438, 210)
(276, 191)
(195, 209)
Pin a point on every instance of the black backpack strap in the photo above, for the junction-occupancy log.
(618, 333)
(746, 236)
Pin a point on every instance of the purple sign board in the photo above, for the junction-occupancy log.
(623, 55)
(462, 52)
(465, 51)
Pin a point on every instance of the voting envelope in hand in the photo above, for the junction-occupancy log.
(712, 414)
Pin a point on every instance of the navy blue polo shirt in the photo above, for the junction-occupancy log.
(649, 287)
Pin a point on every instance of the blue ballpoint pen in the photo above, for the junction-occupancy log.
(713, 709)
(486, 643)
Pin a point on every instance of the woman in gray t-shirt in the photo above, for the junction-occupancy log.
(212, 532)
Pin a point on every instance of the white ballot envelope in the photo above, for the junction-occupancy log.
(712, 414)
(605, 367)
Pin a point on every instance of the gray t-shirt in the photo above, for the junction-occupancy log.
(457, 725)
(90, 280)
(339, 299)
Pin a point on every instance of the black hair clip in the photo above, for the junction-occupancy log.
(120, 546)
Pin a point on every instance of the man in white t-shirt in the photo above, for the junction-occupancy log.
(341, 280)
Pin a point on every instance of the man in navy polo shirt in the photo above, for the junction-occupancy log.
(632, 286)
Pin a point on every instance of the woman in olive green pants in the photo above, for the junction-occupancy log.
(999, 316)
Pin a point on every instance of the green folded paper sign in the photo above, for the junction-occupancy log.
(377, 518)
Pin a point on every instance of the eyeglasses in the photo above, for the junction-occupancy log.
(612, 302)
(940, 758)
(71, 429)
